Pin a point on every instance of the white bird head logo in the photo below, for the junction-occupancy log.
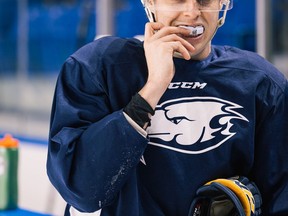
(193, 121)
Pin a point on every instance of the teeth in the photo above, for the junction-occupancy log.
(195, 31)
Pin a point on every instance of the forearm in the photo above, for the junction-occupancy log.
(93, 169)
(271, 164)
(153, 91)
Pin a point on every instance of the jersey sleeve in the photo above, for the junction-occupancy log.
(271, 149)
(93, 149)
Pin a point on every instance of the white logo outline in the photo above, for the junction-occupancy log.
(228, 108)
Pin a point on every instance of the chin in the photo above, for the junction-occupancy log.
(201, 52)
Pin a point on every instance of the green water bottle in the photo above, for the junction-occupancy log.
(8, 172)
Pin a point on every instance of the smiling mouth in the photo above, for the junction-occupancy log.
(194, 31)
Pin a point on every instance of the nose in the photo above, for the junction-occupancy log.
(192, 9)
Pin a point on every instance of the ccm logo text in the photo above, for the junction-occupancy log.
(187, 85)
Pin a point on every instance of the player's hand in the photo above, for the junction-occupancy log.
(160, 44)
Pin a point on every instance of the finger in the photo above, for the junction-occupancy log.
(175, 38)
(169, 34)
(168, 30)
(150, 29)
(178, 47)
(159, 30)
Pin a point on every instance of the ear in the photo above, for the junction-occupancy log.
(149, 3)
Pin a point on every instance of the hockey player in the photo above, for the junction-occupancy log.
(138, 127)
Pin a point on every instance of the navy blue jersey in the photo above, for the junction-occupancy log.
(224, 116)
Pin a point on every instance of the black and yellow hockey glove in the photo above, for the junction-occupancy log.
(235, 196)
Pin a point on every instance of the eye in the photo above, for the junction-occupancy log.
(177, 120)
(174, 1)
(204, 2)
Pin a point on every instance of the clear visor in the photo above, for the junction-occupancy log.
(188, 5)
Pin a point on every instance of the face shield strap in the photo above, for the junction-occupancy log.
(150, 15)
(221, 21)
